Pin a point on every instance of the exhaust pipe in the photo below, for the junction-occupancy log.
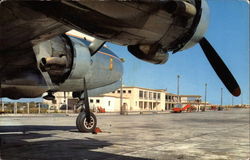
(58, 61)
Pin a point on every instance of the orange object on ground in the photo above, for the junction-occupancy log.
(176, 110)
(101, 110)
(179, 110)
(97, 130)
(186, 107)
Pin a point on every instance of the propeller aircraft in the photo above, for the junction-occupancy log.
(38, 55)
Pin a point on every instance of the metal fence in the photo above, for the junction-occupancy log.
(26, 108)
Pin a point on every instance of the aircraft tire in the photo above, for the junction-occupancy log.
(82, 125)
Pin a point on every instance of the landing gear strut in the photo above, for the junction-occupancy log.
(86, 120)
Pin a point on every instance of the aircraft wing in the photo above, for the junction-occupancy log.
(21, 28)
(26, 23)
(149, 29)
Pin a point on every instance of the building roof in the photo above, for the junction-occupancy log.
(190, 96)
(171, 94)
(157, 90)
(107, 95)
(161, 90)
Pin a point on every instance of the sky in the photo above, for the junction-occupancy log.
(228, 32)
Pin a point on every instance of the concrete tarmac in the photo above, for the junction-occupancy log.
(213, 135)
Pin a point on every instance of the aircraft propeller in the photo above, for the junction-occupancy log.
(220, 68)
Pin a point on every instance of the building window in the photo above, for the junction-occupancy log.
(118, 91)
(124, 91)
(145, 105)
(154, 105)
(145, 95)
(140, 104)
(97, 101)
(109, 103)
(150, 95)
(129, 91)
(150, 106)
(141, 94)
(91, 101)
(170, 98)
(175, 99)
(158, 96)
(113, 92)
(154, 95)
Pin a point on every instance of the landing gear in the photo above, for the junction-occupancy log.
(86, 120)
(82, 124)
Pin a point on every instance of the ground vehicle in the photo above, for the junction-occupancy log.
(178, 108)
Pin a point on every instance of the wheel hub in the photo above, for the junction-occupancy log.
(89, 125)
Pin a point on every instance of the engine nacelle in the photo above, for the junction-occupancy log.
(81, 60)
(65, 61)
(80, 67)
(149, 53)
(62, 59)
(199, 14)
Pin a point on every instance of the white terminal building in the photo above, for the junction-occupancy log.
(130, 98)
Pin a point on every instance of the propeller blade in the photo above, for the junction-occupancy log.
(220, 68)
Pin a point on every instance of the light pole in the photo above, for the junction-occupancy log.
(232, 100)
(121, 94)
(39, 108)
(221, 97)
(15, 108)
(1, 95)
(28, 107)
(205, 95)
(178, 88)
(2, 105)
(66, 104)
(241, 101)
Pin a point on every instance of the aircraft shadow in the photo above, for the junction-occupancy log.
(35, 128)
(37, 146)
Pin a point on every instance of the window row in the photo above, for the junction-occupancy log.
(96, 101)
(171, 97)
(123, 91)
(149, 95)
(147, 105)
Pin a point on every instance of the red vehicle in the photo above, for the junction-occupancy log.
(179, 109)
(101, 110)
